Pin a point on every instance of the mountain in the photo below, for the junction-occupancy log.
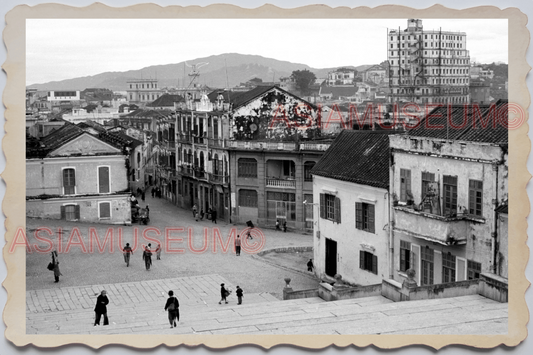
(232, 68)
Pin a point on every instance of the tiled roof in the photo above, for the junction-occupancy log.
(338, 91)
(166, 100)
(228, 95)
(247, 96)
(91, 124)
(119, 139)
(53, 141)
(360, 157)
(454, 127)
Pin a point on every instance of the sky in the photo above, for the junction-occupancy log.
(58, 49)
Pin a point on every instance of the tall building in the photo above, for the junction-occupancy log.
(428, 66)
(143, 91)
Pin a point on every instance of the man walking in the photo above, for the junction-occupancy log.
(310, 265)
(239, 295)
(55, 262)
(223, 294)
(172, 306)
(147, 256)
(127, 251)
(194, 212)
(238, 245)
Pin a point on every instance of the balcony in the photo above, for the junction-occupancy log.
(184, 138)
(185, 170)
(435, 228)
(278, 146)
(283, 184)
(199, 140)
(216, 143)
(218, 179)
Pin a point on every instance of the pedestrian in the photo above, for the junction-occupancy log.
(153, 192)
(214, 216)
(147, 256)
(158, 192)
(127, 251)
(284, 226)
(55, 263)
(310, 265)
(143, 196)
(277, 225)
(194, 210)
(138, 191)
(238, 245)
(239, 295)
(224, 293)
(101, 309)
(172, 306)
(249, 235)
(202, 214)
(158, 251)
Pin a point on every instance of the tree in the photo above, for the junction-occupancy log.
(303, 79)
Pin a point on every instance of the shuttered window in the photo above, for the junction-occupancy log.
(450, 195)
(365, 217)
(330, 208)
(70, 212)
(368, 261)
(426, 179)
(247, 198)
(448, 267)
(247, 168)
(475, 197)
(103, 180)
(69, 181)
(473, 269)
(105, 209)
(405, 255)
(405, 185)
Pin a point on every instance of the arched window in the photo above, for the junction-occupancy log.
(202, 160)
(215, 165)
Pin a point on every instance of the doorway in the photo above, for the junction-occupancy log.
(331, 257)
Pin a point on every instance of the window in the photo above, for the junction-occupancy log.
(247, 168)
(104, 210)
(103, 179)
(247, 198)
(450, 195)
(473, 270)
(405, 255)
(330, 208)
(281, 205)
(368, 261)
(426, 179)
(69, 181)
(364, 217)
(70, 212)
(475, 197)
(426, 255)
(448, 268)
(308, 165)
(405, 185)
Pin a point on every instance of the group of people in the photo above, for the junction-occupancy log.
(224, 293)
(211, 214)
(283, 225)
(172, 306)
(140, 192)
(147, 254)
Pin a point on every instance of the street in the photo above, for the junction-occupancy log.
(80, 266)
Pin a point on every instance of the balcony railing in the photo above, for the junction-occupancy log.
(220, 179)
(184, 138)
(216, 142)
(199, 140)
(186, 170)
(435, 228)
(283, 146)
(284, 184)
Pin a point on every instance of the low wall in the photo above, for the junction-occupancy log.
(285, 250)
(332, 293)
(446, 290)
(494, 287)
(289, 294)
(393, 291)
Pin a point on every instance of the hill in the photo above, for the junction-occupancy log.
(223, 70)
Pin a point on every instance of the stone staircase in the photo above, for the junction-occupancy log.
(261, 313)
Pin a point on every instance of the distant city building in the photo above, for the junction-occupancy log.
(376, 74)
(428, 66)
(341, 76)
(479, 92)
(143, 91)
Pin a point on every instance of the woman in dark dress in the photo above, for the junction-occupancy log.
(101, 308)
